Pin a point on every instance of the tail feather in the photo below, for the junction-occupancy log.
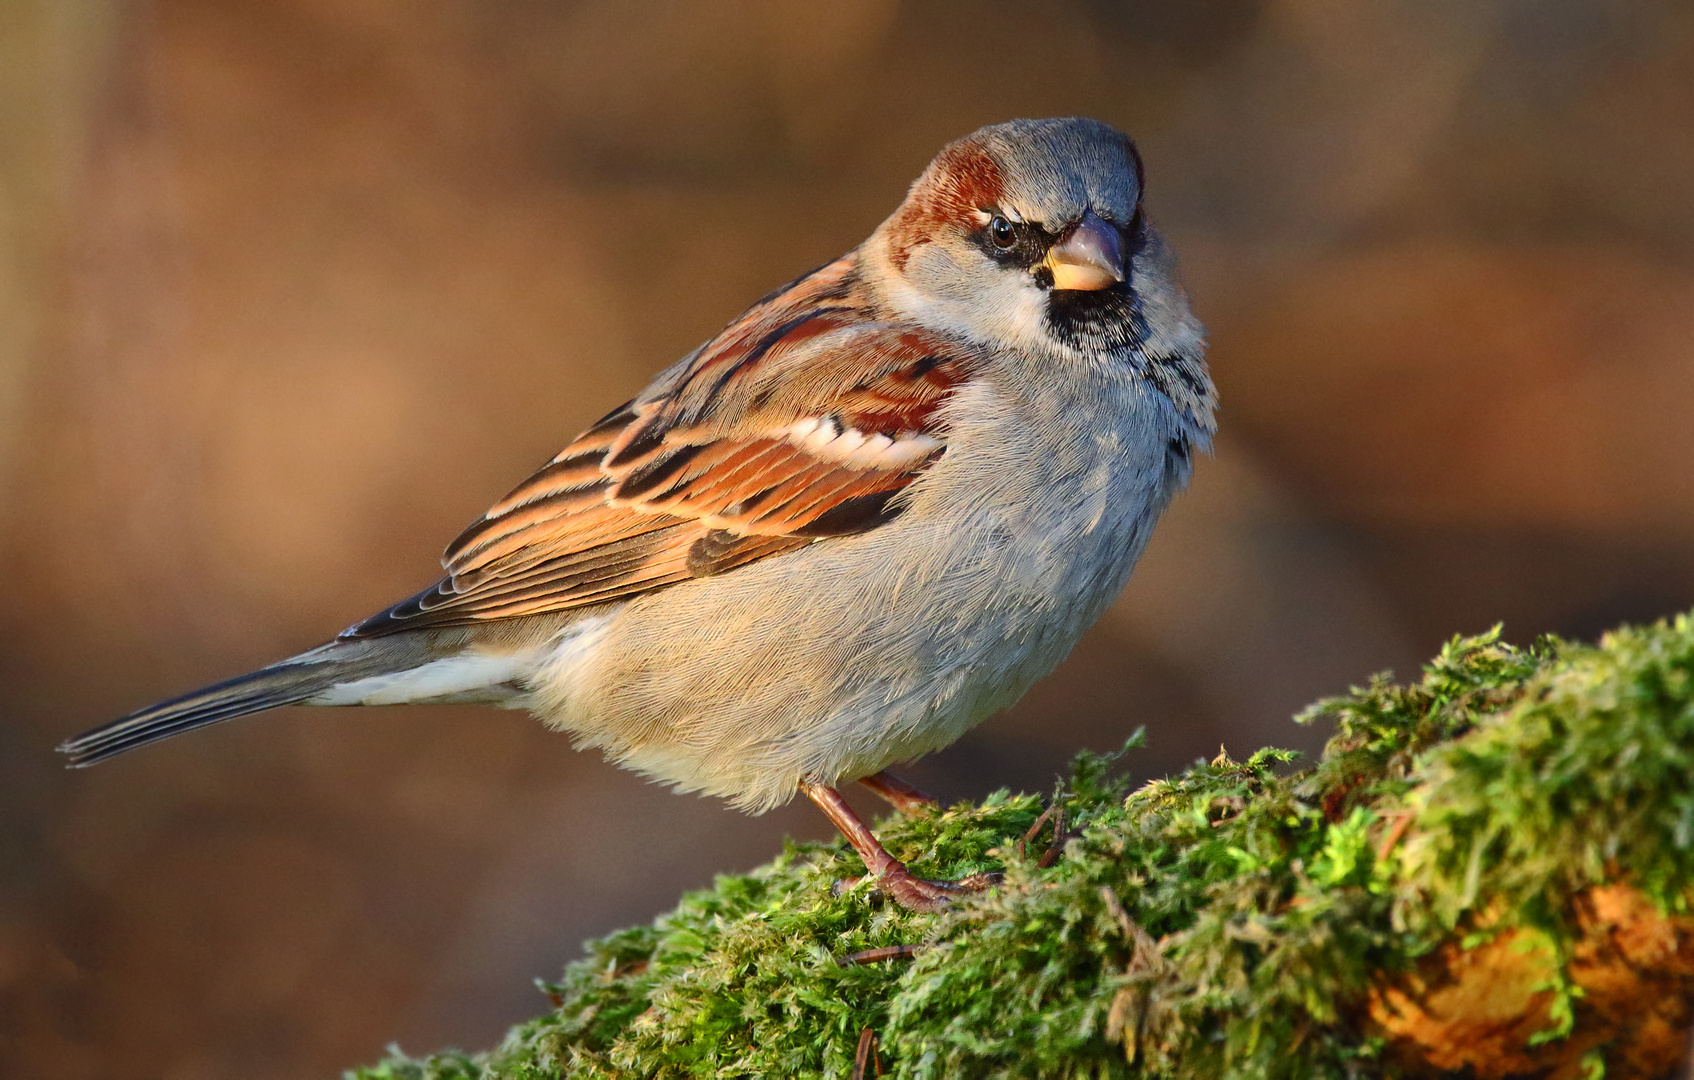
(286, 683)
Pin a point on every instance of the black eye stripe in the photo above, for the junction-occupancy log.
(1028, 242)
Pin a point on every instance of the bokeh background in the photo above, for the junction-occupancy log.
(290, 290)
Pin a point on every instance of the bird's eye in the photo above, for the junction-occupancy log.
(1000, 231)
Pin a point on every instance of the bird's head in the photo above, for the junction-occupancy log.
(1027, 231)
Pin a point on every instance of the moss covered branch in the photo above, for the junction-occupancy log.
(1488, 870)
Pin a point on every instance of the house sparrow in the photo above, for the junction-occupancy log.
(867, 515)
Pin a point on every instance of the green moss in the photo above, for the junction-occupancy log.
(1273, 898)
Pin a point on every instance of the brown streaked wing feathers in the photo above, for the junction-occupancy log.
(699, 478)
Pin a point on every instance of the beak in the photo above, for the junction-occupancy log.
(1088, 257)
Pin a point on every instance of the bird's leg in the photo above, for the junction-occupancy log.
(901, 795)
(904, 887)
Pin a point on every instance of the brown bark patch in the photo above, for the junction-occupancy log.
(1479, 1009)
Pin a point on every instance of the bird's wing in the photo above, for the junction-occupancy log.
(804, 419)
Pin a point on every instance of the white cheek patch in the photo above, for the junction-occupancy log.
(825, 437)
(1010, 309)
(1026, 318)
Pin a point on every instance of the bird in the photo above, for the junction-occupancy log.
(865, 516)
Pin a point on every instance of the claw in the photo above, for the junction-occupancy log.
(893, 879)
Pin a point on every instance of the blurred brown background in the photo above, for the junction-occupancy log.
(290, 290)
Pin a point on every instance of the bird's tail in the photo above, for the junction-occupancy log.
(287, 682)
